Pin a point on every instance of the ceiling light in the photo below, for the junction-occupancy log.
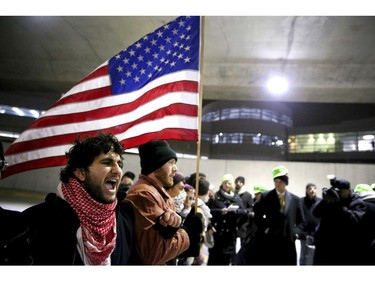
(277, 85)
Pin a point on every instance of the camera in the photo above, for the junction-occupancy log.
(331, 192)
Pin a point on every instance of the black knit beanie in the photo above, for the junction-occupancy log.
(155, 154)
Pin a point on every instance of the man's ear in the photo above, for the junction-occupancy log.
(80, 174)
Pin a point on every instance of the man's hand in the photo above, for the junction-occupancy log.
(170, 218)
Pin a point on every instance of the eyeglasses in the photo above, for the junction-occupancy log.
(191, 198)
(3, 165)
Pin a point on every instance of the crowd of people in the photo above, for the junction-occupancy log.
(99, 215)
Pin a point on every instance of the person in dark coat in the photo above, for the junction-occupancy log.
(339, 237)
(367, 194)
(226, 207)
(83, 222)
(244, 221)
(279, 220)
(311, 223)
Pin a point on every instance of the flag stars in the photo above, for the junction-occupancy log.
(166, 50)
(181, 23)
(159, 34)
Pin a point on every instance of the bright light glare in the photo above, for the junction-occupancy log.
(368, 137)
(277, 85)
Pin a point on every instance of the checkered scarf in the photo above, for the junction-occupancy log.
(98, 222)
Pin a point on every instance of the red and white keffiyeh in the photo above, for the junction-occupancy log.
(98, 222)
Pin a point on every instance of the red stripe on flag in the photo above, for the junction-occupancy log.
(166, 134)
(85, 96)
(106, 112)
(36, 164)
(101, 71)
(189, 110)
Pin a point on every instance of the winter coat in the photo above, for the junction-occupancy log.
(277, 231)
(50, 236)
(339, 236)
(225, 224)
(244, 222)
(155, 245)
(311, 222)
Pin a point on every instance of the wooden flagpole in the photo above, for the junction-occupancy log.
(201, 57)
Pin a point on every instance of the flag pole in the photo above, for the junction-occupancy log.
(201, 53)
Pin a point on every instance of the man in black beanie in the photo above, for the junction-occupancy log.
(159, 236)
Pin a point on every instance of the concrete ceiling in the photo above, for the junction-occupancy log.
(327, 59)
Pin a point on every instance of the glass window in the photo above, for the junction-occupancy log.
(332, 142)
(248, 113)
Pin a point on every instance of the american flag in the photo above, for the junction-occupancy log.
(147, 91)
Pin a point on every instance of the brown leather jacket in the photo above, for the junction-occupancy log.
(150, 201)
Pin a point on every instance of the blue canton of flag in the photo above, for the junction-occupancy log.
(170, 48)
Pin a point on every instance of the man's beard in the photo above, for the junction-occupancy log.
(163, 177)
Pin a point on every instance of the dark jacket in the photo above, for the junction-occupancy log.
(311, 221)
(225, 225)
(244, 222)
(50, 236)
(277, 231)
(339, 235)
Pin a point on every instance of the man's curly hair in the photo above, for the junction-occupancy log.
(83, 153)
